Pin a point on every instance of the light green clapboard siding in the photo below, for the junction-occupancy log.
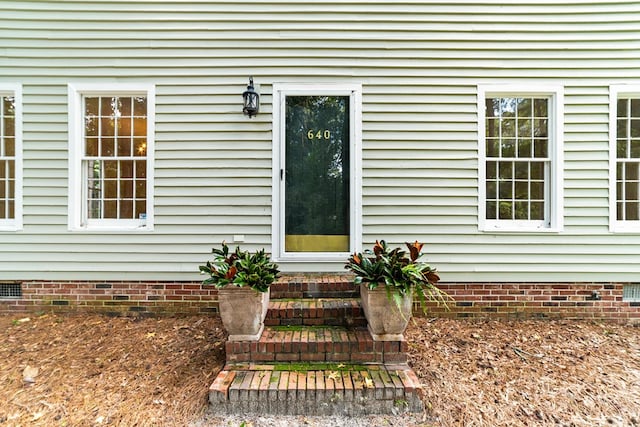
(419, 63)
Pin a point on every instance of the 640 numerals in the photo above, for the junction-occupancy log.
(318, 134)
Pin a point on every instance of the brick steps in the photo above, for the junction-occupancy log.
(315, 357)
(316, 344)
(315, 390)
(314, 312)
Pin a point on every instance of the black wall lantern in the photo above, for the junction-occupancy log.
(251, 100)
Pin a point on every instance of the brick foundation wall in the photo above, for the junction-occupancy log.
(114, 298)
(497, 300)
(601, 301)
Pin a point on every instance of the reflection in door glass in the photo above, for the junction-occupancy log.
(317, 174)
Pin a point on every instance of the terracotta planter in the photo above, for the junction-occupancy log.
(243, 311)
(387, 321)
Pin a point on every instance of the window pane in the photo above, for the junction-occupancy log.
(524, 128)
(124, 146)
(493, 128)
(522, 190)
(508, 128)
(3, 169)
(3, 209)
(540, 128)
(621, 128)
(540, 147)
(623, 105)
(506, 170)
(107, 105)
(107, 126)
(492, 107)
(505, 189)
(8, 106)
(508, 107)
(635, 128)
(621, 148)
(537, 211)
(110, 169)
(107, 147)
(524, 147)
(141, 189)
(492, 147)
(91, 147)
(126, 209)
(141, 169)
(521, 210)
(635, 148)
(139, 106)
(537, 170)
(491, 210)
(126, 169)
(139, 126)
(635, 108)
(537, 190)
(492, 168)
(620, 207)
(91, 106)
(540, 108)
(124, 105)
(505, 211)
(110, 209)
(525, 107)
(110, 189)
(9, 126)
(508, 148)
(140, 148)
(521, 170)
(631, 211)
(126, 189)
(491, 190)
(124, 126)
(9, 147)
(141, 209)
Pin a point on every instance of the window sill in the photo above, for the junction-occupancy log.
(112, 229)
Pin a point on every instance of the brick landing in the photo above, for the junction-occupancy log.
(316, 390)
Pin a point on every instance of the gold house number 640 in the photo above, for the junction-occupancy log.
(318, 134)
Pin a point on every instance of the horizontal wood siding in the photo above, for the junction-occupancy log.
(419, 63)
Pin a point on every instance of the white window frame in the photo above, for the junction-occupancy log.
(78, 220)
(280, 91)
(15, 223)
(616, 91)
(555, 187)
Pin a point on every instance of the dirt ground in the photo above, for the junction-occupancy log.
(93, 371)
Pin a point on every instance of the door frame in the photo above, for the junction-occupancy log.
(280, 92)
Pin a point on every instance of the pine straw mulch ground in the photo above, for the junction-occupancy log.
(92, 370)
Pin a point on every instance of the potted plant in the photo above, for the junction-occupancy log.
(389, 279)
(243, 280)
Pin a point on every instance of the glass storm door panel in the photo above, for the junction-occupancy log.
(316, 188)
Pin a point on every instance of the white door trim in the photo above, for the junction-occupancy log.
(280, 91)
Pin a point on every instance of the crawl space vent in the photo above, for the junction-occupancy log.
(10, 290)
(631, 292)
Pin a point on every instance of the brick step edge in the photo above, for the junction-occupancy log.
(316, 312)
(314, 286)
(316, 345)
(383, 389)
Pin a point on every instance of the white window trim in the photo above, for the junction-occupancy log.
(556, 132)
(615, 91)
(15, 223)
(76, 91)
(280, 91)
